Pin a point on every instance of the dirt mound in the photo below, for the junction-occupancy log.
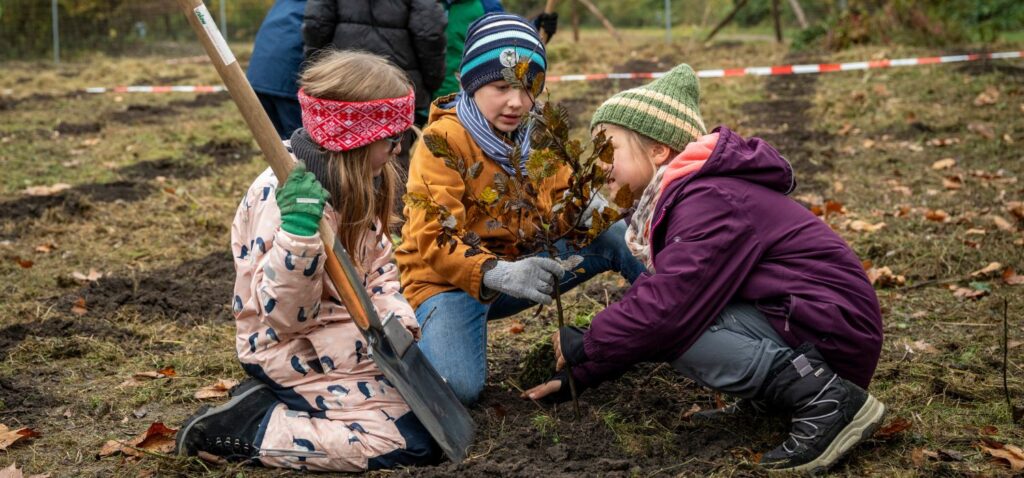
(198, 289)
(989, 67)
(78, 128)
(12, 335)
(228, 152)
(135, 114)
(203, 100)
(20, 397)
(166, 167)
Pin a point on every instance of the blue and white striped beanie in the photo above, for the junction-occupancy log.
(496, 41)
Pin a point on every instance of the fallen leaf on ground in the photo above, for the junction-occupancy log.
(922, 347)
(46, 190)
(944, 163)
(1010, 277)
(990, 268)
(895, 426)
(78, 308)
(965, 293)
(982, 129)
(1002, 223)
(516, 328)
(139, 378)
(157, 438)
(11, 472)
(917, 457)
(46, 248)
(1009, 454)
(9, 437)
(940, 142)
(953, 182)
(24, 263)
(93, 276)
(1016, 208)
(689, 413)
(864, 226)
(883, 277)
(217, 390)
(975, 231)
(987, 97)
(937, 215)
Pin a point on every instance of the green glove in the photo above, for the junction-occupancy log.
(301, 201)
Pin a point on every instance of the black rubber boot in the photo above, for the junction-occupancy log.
(830, 415)
(229, 430)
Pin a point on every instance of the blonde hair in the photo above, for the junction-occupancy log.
(357, 198)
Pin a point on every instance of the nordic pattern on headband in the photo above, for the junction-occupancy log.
(347, 125)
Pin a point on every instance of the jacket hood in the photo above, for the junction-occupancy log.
(752, 160)
(441, 107)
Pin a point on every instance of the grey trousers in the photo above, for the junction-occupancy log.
(735, 355)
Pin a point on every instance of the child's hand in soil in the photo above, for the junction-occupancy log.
(550, 391)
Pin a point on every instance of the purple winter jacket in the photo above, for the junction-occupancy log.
(729, 233)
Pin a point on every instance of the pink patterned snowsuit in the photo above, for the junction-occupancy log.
(339, 413)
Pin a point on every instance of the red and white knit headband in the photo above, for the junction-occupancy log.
(347, 125)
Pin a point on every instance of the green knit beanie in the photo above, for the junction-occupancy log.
(666, 110)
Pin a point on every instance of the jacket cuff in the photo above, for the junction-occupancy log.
(571, 344)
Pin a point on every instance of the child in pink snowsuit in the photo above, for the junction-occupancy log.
(317, 401)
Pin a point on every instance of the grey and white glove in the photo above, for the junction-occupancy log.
(532, 278)
(597, 203)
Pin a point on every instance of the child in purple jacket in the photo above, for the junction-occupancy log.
(747, 292)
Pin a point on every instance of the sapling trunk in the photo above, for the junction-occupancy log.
(568, 368)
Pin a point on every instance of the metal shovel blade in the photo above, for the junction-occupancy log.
(427, 394)
(429, 397)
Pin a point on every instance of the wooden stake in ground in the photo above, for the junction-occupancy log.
(604, 21)
(799, 11)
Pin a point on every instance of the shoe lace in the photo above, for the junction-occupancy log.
(809, 421)
(230, 447)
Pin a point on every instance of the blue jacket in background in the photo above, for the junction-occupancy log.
(277, 54)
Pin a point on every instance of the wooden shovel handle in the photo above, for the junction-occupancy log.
(269, 142)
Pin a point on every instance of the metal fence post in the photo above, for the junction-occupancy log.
(56, 32)
(223, 19)
(668, 21)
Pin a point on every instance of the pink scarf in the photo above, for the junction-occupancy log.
(693, 157)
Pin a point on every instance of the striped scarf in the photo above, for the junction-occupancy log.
(495, 147)
(638, 233)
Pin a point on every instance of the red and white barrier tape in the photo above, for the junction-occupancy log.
(159, 89)
(719, 73)
(799, 69)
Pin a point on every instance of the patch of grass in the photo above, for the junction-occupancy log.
(546, 425)
(638, 438)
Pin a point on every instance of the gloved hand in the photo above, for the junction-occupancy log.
(301, 201)
(597, 203)
(548, 23)
(532, 278)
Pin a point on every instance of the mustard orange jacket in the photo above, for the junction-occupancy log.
(426, 268)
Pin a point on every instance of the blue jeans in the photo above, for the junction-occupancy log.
(455, 337)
